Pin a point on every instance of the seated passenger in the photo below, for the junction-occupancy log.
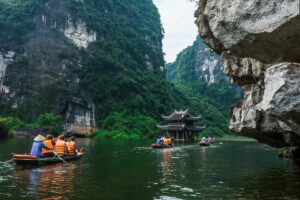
(209, 139)
(166, 141)
(71, 147)
(60, 147)
(48, 143)
(162, 140)
(203, 140)
(38, 145)
(170, 142)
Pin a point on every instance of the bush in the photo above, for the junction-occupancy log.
(8, 124)
(49, 122)
(119, 125)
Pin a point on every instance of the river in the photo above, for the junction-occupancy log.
(131, 170)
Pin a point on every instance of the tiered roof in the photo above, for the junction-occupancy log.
(180, 116)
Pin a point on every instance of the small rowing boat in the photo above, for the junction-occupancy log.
(160, 146)
(23, 159)
(204, 143)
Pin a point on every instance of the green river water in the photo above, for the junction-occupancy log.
(131, 170)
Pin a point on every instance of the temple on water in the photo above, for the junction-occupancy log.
(181, 125)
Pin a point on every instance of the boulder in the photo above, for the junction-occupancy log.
(259, 42)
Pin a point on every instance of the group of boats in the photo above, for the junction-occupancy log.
(203, 142)
(27, 159)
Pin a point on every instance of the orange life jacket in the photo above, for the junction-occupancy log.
(71, 148)
(166, 142)
(59, 147)
(47, 143)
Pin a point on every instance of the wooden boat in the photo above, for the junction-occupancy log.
(204, 143)
(22, 159)
(160, 146)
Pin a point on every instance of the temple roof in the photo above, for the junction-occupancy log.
(181, 127)
(180, 115)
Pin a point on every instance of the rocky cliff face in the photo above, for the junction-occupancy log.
(34, 76)
(55, 51)
(259, 42)
(197, 62)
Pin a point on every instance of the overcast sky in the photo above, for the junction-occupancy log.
(177, 17)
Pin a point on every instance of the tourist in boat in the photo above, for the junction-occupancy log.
(158, 140)
(203, 140)
(165, 141)
(60, 147)
(71, 146)
(38, 145)
(48, 143)
(209, 140)
(169, 141)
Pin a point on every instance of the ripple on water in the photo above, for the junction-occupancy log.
(167, 198)
(185, 189)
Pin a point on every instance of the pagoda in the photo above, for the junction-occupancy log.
(180, 125)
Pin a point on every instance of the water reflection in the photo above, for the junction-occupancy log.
(49, 182)
(203, 152)
(130, 170)
(166, 164)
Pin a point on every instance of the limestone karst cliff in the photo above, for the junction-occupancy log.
(259, 43)
(107, 55)
(196, 62)
(197, 72)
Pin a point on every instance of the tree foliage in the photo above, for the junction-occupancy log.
(120, 125)
(213, 100)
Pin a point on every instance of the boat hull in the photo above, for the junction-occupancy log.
(45, 161)
(160, 146)
(204, 144)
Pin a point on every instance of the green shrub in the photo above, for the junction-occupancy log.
(49, 122)
(8, 124)
(119, 125)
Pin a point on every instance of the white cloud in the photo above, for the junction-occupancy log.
(177, 17)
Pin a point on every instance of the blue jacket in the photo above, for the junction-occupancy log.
(158, 141)
(36, 149)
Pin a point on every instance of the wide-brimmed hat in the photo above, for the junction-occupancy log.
(39, 138)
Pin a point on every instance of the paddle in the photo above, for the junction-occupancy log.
(60, 158)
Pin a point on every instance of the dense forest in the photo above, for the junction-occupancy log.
(197, 73)
(122, 72)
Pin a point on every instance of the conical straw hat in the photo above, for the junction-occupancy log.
(39, 138)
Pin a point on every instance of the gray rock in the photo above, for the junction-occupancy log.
(266, 30)
(259, 42)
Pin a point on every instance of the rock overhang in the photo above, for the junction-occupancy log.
(259, 42)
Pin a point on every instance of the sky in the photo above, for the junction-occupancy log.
(177, 17)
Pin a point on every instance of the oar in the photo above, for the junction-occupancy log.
(60, 157)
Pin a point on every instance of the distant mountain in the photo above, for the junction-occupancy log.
(196, 62)
(197, 72)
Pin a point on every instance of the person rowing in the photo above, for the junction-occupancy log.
(38, 146)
